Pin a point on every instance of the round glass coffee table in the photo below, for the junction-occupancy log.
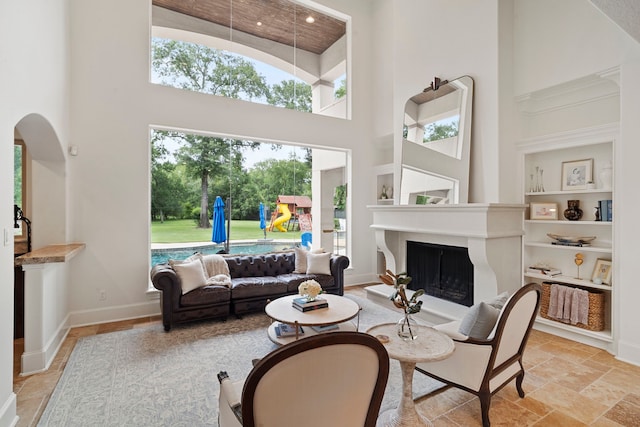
(339, 313)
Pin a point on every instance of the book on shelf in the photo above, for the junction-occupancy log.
(547, 271)
(325, 328)
(606, 210)
(286, 330)
(311, 307)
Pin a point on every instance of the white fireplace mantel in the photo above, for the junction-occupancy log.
(492, 232)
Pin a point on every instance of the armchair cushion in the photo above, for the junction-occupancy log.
(479, 321)
(452, 329)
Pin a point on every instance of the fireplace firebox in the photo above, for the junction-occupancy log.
(443, 271)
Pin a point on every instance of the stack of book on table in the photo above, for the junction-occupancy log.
(303, 305)
(286, 330)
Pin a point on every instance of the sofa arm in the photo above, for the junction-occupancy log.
(165, 279)
(338, 264)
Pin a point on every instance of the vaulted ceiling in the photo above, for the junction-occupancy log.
(280, 21)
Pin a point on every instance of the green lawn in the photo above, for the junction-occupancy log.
(185, 230)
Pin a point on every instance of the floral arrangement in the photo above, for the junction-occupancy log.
(310, 288)
(406, 329)
(399, 297)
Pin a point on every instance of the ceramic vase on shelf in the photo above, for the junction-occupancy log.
(573, 211)
(407, 327)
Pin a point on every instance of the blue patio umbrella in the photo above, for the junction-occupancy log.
(263, 223)
(219, 234)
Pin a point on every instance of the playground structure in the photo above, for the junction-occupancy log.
(294, 211)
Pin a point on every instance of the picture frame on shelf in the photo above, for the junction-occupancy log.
(543, 211)
(576, 174)
(602, 271)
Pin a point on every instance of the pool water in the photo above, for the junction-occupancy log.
(160, 256)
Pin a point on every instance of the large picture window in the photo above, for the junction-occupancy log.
(280, 53)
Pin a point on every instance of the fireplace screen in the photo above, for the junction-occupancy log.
(444, 272)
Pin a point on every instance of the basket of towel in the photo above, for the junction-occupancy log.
(572, 305)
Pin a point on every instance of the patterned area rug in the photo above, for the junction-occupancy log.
(146, 377)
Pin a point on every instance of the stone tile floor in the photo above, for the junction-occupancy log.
(566, 383)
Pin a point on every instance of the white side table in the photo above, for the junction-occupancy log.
(429, 346)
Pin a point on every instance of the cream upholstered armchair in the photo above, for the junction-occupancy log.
(331, 379)
(484, 366)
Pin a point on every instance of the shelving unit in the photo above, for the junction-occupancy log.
(384, 178)
(548, 155)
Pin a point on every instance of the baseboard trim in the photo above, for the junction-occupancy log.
(359, 279)
(8, 412)
(38, 361)
(628, 352)
(113, 314)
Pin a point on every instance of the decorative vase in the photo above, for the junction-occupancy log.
(407, 328)
(573, 211)
(606, 176)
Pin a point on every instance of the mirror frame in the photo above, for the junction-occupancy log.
(420, 158)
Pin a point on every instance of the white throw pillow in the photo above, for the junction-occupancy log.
(479, 321)
(301, 260)
(319, 263)
(191, 274)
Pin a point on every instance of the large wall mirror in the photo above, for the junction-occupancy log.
(436, 144)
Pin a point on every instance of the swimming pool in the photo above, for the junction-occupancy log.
(159, 256)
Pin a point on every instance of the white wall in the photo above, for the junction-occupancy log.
(557, 42)
(449, 40)
(627, 233)
(34, 80)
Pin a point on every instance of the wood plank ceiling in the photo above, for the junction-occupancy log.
(276, 18)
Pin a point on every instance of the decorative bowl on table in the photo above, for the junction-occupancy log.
(571, 239)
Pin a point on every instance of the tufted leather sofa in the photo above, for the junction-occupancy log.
(255, 279)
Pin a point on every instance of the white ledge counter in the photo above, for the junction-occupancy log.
(46, 284)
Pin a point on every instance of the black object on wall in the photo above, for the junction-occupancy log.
(444, 272)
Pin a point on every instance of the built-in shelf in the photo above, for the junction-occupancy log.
(548, 222)
(602, 249)
(598, 335)
(549, 154)
(564, 193)
(385, 201)
(569, 280)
